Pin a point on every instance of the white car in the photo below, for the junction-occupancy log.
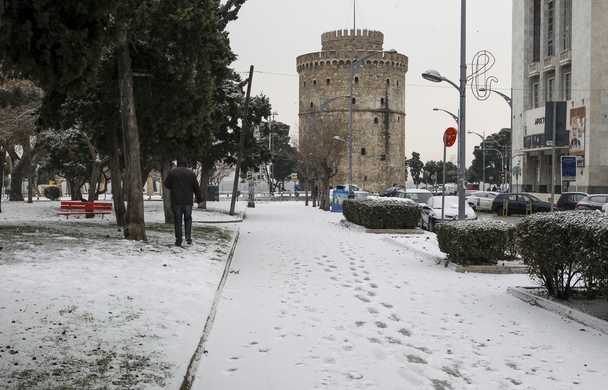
(417, 195)
(481, 199)
(431, 211)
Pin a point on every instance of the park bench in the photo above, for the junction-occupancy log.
(91, 208)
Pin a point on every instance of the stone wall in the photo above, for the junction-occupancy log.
(378, 109)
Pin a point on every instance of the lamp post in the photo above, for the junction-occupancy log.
(434, 76)
(354, 65)
(270, 189)
(502, 157)
(510, 103)
(483, 156)
(455, 117)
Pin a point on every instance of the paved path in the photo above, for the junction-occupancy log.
(315, 305)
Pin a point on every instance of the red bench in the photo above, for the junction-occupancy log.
(76, 207)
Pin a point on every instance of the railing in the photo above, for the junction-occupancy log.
(549, 63)
(565, 57)
(533, 69)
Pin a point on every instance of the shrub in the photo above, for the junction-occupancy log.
(52, 193)
(382, 213)
(476, 242)
(564, 249)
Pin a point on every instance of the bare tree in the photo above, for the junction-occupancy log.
(323, 152)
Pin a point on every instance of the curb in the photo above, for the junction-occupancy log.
(559, 309)
(200, 349)
(395, 231)
(479, 269)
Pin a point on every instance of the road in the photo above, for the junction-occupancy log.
(311, 304)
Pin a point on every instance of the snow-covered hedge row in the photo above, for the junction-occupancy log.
(382, 213)
(565, 250)
(477, 242)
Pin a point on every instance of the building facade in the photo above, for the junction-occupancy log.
(378, 86)
(560, 53)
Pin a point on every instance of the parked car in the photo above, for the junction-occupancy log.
(568, 200)
(417, 195)
(592, 202)
(605, 209)
(431, 211)
(483, 199)
(391, 191)
(518, 204)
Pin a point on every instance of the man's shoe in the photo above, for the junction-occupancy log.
(178, 243)
(189, 240)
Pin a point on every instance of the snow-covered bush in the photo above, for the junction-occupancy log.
(565, 250)
(382, 213)
(476, 242)
(52, 193)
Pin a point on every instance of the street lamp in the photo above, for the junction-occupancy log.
(502, 158)
(483, 156)
(455, 117)
(510, 103)
(434, 76)
(270, 189)
(354, 65)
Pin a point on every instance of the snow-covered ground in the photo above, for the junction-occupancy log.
(310, 303)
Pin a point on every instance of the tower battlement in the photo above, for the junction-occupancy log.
(352, 39)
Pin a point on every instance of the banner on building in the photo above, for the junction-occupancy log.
(577, 131)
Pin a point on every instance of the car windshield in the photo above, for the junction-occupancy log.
(418, 197)
(450, 201)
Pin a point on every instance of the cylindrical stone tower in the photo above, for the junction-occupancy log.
(378, 108)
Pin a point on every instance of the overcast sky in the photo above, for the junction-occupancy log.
(270, 34)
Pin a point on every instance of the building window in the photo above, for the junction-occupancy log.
(550, 89)
(328, 81)
(567, 9)
(535, 87)
(536, 44)
(381, 100)
(568, 86)
(388, 81)
(314, 82)
(550, 29)
(397, 83)
(311, 105)
(304, 84)
(357, 80)
(354, 100)
(375, 120)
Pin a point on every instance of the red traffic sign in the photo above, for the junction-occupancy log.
(502, 174)
(449, 137)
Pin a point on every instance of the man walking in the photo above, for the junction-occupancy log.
(183, 184)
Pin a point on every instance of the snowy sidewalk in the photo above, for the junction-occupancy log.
(313, 304)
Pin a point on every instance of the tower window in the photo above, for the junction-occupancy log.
(311, 105)
(381, 100)
(327, 81)
(356, 80)
(388, 81)
(397, 83)
(354, 100)
(314, 82)
(304, 84)
(375, 120)
(363, 151)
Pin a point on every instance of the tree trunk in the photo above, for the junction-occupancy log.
(2, 160)
(116, 176)
(205, 173)
(19, 169)
(164, 171)
(134, 227)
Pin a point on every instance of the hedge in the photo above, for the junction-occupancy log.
(382, 213)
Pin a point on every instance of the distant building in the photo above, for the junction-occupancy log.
(378, 108)
(560, 53)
